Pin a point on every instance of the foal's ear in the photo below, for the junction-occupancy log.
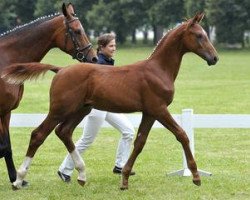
(196, 19)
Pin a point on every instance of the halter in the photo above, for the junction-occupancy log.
(78, 50)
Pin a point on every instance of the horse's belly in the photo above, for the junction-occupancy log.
(115, 96)
(119, 106)
(8, 97)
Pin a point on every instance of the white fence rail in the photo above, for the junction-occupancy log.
(34, 120)
(187, 120)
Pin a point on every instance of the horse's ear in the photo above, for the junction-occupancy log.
(68, 10)
(71, 9)
(64, 10)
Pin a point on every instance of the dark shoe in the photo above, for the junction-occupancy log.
(65, 178)
(25, 183)
(118, 170)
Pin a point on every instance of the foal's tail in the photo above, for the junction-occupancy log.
(20, 72)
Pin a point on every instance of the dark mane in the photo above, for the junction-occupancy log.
(29, 25)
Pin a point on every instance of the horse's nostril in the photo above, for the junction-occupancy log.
(216, 58)
(94, 59)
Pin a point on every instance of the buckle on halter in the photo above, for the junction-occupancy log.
(80, 56)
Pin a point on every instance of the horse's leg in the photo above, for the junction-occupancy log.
(142, 134)
(5, 147)
(8, 152)
(167, 120)
(37, 138)
(64, 131)
(3, 139)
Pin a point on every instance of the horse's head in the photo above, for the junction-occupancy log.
(73, 39)
(195, 39)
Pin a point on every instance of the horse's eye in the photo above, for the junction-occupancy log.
(78, 32)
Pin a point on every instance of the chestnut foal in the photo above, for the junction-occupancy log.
(146, 86)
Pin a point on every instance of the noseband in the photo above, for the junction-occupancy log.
(80, 53)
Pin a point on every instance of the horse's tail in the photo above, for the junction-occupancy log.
(20, 72)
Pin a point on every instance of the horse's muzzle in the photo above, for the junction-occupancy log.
(213, 60)
(94, 60)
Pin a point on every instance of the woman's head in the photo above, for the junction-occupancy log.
(106, 44)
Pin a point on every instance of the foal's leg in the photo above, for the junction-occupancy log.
(167, 120)
(142, 134)
(64, 131)
(37, 138)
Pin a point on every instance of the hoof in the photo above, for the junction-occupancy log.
(81, 182)
(15, 188)
(197, 182)
(124, 182)
(16, 185)
(123, 187)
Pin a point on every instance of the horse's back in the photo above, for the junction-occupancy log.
(97, 85)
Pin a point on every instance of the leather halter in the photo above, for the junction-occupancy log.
(80, 53)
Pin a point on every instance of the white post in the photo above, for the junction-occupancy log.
(187, 125)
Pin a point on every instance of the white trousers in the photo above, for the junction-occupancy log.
(92, 126)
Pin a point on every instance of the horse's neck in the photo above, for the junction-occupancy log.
(168, 55)
(30, 45)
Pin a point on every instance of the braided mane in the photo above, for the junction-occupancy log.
(30, 24)
(163, 38)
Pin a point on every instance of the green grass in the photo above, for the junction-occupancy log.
(224, 88)
(225, 153)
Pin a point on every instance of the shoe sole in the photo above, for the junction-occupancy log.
(62, 177)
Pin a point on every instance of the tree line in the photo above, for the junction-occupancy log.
(230, 19)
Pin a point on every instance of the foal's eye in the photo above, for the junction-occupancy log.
(199, 36)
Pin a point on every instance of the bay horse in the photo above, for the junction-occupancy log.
(30, 43)
(146, 86)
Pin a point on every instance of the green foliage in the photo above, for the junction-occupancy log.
(165, 12)
(109, 15)
(7, 14)
(25, 10)
(44, 7)
(246, 4)
(229, 18)
(99, 17)
(82, 8)
(193, 7)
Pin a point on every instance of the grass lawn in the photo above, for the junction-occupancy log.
(224, 152)
(224, 88)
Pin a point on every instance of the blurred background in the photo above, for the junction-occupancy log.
(227, 21)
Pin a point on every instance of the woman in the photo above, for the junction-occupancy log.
(105, 51)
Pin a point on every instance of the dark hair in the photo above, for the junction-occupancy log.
(104, 39)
